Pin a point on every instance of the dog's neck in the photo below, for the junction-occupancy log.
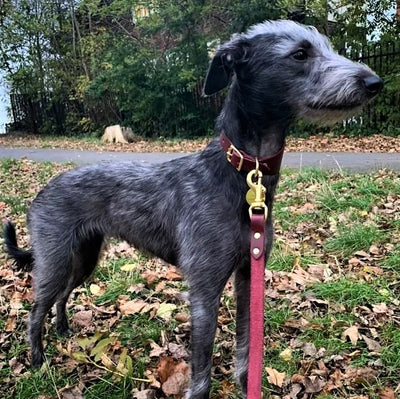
(257, 134)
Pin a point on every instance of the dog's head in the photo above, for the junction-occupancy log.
(288, 69)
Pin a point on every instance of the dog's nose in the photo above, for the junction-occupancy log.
(373, 84)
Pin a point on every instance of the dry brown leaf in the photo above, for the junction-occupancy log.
(16, 366)
(11, 323)
(387, 393)
(314, 384)
(146, 394)
(380, 308)
(226, 390)
(275, 377)
(178, 351)
(173, 274)
(130, 307)
(157, 350)
(335, 380)
(173, 375)
(150, 276)
(182, 317)
(165, 368)
(82, 318)
(372, 345)
(176, 384)
(309, 349)
(362, 375)
(70, 393)
(351, 333)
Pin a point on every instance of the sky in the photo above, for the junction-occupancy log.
(4, 102)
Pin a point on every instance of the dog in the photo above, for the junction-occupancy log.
(192, 212)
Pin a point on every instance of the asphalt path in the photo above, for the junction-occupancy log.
(339, 161)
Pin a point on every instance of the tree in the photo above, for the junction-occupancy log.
(79, 65)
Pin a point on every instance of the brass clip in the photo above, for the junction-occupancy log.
(257, 204)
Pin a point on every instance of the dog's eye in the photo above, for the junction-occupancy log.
(300, 55)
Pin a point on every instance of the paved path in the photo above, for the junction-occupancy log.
(357, 162)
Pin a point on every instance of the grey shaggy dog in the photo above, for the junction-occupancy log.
(192, 212)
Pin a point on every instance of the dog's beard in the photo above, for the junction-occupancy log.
(330, 116)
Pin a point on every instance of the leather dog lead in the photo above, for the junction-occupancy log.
(258, 212)
(256, 327)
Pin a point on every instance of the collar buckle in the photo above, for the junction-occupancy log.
(232, 150)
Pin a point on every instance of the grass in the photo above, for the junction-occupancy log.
(348, 293)
(357, 237)
(323, 279)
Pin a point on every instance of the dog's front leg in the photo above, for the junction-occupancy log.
(242, 289)
(204, 301)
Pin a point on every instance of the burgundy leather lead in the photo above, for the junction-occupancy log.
(256, 327)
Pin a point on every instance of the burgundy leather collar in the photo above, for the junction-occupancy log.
(242, 161)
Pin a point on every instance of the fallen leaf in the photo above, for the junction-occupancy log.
(11, 323)
(174, 376)
(286, 355)
(176, 384)
(95, 289)
(178, 351)
(361, 375)
(128, 267)
(150, 276)
(173, 274)
(157, 350)
(165, 310)
(82, 318)
(314, 384)
(351, 333)
(372, 345)
(146, 394)
(380, 308)
(275, 377)
(306, 208)
(309, 349)
(131, 307)
(70, 393)
(182, 317)
(387, 393)
(16, 366)
(101, 347)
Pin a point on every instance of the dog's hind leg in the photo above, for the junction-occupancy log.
(83, 263)
(50, 278)
(242, 289)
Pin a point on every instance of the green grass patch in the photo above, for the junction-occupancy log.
(42, 383)
(276, 314)
(113, 389)
(348, 293)
(390, 355)
(357, 237)
(281, 260)
(138, 330)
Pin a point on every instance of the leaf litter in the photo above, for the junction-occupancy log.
(322, 347)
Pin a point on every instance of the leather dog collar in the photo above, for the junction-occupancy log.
(243, 161)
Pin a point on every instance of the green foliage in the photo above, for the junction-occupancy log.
(77, 66)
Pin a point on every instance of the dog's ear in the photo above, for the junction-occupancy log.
(223, 65)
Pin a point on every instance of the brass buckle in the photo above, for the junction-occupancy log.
(229, 153)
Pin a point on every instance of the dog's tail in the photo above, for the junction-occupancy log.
(23, 259)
